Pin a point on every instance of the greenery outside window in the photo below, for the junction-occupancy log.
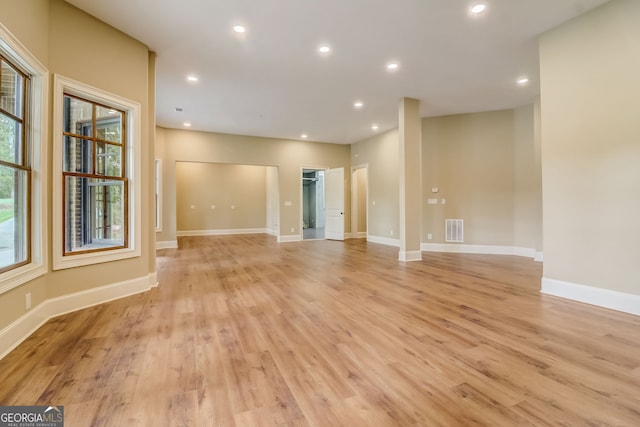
(23, 207)
(158, 196)
(96, 146)
(15, 171)
(95, 184)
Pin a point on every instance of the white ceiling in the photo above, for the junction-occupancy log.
(271, 80)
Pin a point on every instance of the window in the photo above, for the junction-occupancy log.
(158, 198)
(15, 172)
(23, 207)
(96, 146)
(95, 186)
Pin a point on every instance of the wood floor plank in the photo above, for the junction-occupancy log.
(243, 331)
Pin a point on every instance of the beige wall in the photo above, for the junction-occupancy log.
(485, 165)
(527, 179)
(273, 201)
(381, 155)
(469, 158)
(149, 158)
(29, 22)
(590, 104)
(72, 43)
(287, 155)
(120, 66)
(212, 196)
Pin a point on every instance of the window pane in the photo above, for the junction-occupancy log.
(109, 159)
(94, 213)
(158, 186)
(10, 140)
(13, 216)
(95, 202)
(78, 116)
(109, 124)
(78, 156)
(11, 91)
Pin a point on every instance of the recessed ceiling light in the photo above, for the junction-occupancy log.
(324, 49)
(191, 78)
(304, 136)
(239, 29)
(522, 80)
(374, 126)
(478, 8)
(392, 66)
(358, 104)
(187, 124)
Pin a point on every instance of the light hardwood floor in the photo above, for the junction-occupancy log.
(245, 331)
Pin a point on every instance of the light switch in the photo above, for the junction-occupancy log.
(432, 201)
(287, 203)
(434, 189)
(443, 201)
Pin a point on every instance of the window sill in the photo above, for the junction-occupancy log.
(79, 260)
(21, 275)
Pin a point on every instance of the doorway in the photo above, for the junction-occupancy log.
(359, 197)
(313, 204)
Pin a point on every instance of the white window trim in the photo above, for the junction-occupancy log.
(64, 85)
(15, 51)
(157, 164)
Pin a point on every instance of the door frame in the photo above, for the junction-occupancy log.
(354, 201)
(301, 203)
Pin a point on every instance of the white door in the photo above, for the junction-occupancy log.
(334, 191)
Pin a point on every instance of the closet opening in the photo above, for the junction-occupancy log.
(313, 204)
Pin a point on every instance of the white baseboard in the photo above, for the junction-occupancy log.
(290, 238)
(169, 244)
(464, 249)
(524, 252)
(469, 249)
(358, 235)
(221, 232)
(383, 241)
(407, 256)
(481, 249)
(15, 333)
(539, 257)
(174, 244)
(620, 301)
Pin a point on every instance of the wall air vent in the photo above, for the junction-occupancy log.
(454, 230)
